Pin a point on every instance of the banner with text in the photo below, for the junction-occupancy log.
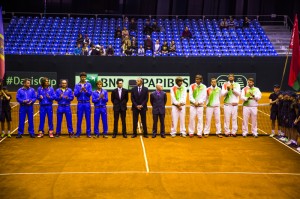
(14, 79)
(240, 78)
(110, 81)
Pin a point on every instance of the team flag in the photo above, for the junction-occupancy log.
(2, 60)
(294, 76)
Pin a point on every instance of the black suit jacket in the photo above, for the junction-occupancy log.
(139, 99)
(119, 104)
(158, 102)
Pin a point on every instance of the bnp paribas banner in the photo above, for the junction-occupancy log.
(240, 78)
(150, 81)
(14, 79)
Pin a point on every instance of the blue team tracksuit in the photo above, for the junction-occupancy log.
(26, 108)
(46, 106)
(100, 110)
(64, 98)
(83, 107)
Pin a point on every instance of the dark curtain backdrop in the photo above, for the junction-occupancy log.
(158, 7)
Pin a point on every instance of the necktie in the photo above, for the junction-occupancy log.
(120, 93)
(139, 90)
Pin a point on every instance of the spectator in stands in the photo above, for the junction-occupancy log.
(155, 27)
(102, 50)
(172, 47)
(126, 47)
(80, 39)
(148, 43)
(165, 48)
(87, 40)
(118, 33)
(141, 51)
(186, 34)
(132, 25)
(85, 49)
(110, 51)
(126, 40)
(147, 28)
(246, 22)
(77, 50)
(231, 23)
(93, 48)
(96, 51)
(134, 45)
(157, 48)
(124, 32)
(223, 24)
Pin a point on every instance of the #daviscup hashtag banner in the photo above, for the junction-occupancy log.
(14, 79)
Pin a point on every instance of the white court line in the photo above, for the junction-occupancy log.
(152, 172)
(145, 155)
(286, 145)
(18, 127)
(263, 112)
(251, 125)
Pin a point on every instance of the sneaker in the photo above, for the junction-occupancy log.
(97, 136)
(57, 135)
(282, 139)
(227, 135)
(2, 135)
(244, 136)
(77, 136)
(40, 135)
(9, 135)
(233, 135)
(32, 136)
(272, 135)
(191, 135)
(173, 136)
(289, 142)
(105, 136)
(205, 135)
(88, 136)
(199, 136)
(183, 135)
(294, 145)
(255, 136)
(298, 149)
(71, 135)
(219, 135)
(19, 136)
(51, 135)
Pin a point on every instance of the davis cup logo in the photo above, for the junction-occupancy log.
(240, 79)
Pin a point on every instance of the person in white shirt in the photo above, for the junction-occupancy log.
(213, 107)
(178, 100)
(231, 91)
(157, 48)
(141, 51)
(197, 96)
(250, 96)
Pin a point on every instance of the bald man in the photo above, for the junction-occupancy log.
(158, 100)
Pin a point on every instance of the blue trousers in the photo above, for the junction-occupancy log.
(61, 110)
(97, 113)
(46, 110)
(26, 110)
(84, 108)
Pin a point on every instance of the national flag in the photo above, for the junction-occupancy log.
(294, 76)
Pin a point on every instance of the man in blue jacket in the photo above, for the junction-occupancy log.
(45, 95)
(83, 92)
(100, 98)
(64, 96)
(26, 96)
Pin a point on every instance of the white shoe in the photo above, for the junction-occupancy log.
(298, 149)
(174, 135)
(272, 135)
(282, 139)
(182, 135)
(289, 142)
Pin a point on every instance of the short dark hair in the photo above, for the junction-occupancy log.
(178, 79)
(99, 82)
(211, 79)
(199, 77)
(43, 81)
(82, 74)
(25, 80)
(251, 79)
(118, 80)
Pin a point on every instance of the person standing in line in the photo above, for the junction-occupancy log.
(83, 92)
(213, 107)
(197, 95)
(100, 98)
(178, 99)
(45, 95)
(231, 91)
(139, 99)
(158, 100)
(64, 96)
(5, 112)
(119, 98)
(250, 96)
(274, 113)
(26, 96)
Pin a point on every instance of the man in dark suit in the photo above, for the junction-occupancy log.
(119, 98)
(139, 99)
(158, 100)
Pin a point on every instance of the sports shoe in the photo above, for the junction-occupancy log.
(272, 135)
(298, 149)
(191, 135)
(71, 135)
(9, 135)
(205, 135)
(32, 135)
(219, 135)
(289, 142)
(294, 145)
(282, 139)
(173, 136)
(183, 135)
(233, 135)
(40, 135)
(244, 136)
(105, 136)
(199, 136)
(88, 136)
(227, 135)
(57, 135)
(19, 136)
(2, 135)
(255, 136)
(51, 135)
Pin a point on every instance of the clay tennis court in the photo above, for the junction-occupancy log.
(149, 168)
